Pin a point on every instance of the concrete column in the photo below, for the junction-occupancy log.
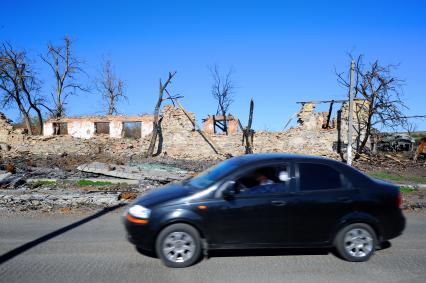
(48, 129)
(116, 129)
(146, 129)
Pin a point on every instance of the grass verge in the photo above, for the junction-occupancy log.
(83, 183)
(407, 190)
(398, 178)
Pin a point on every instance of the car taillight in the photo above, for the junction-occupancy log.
(399, 200)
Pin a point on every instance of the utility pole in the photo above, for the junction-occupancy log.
(350, 114)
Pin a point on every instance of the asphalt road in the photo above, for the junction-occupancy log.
(80, 249)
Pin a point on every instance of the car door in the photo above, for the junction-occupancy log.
(322, 198)
(257, 213)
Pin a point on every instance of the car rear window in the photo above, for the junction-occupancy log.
(315, 177)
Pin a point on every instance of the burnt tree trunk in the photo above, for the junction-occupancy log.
(27, 119)
(248, 133)
(225, 122)
(111, 106)
(40, 121)
(156, 127)
(33, 105)
(28, 123)
(24, 112)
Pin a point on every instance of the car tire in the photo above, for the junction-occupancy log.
(356, 242)
(178, 245)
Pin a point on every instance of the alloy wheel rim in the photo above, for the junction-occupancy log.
(178, 247)
(358, 242)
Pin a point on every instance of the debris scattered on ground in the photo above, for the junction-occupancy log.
(4, 175)
(414, 199)
(132, 172)
(60, 188)
(127, 196)
(52, 184)
(9, 180)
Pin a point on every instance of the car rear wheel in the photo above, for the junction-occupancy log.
(356, 242)
(178, 245)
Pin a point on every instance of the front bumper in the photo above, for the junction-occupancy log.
(141, 235)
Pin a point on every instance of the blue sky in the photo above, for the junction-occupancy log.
(281, 51)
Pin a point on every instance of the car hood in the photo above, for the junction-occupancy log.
(164, 194)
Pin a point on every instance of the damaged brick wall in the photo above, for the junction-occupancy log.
(360, 118)
(85, 127)
(179, 139)
(308, 119)
(5, 128)
(9, 135)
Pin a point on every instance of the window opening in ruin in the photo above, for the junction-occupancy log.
(132, 130)
(219, 124)
(328, 114)
(102, 128)
(60, 128)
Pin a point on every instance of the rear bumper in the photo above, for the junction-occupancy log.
(394, 226)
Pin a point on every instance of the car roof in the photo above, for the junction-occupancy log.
(358, 177)
(261, 157)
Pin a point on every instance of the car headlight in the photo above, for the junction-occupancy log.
(139, 211)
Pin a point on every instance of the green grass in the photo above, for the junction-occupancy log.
(397, 178)
(83, 183)
(407, 190)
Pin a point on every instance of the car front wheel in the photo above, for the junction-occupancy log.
(356, 242)
(178, 245)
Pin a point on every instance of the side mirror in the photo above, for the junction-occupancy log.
(284, 176)
(229, 190)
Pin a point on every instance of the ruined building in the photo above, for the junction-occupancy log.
(89, 126)
(317, 133)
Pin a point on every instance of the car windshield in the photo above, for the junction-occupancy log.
(214, 174)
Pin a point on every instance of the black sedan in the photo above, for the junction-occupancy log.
(267, 201)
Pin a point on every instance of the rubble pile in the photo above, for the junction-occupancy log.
(399, 163)
(179, 139)
(54, 163)
(49, 199)
(132, 172)
(55, 188)
(415, 200)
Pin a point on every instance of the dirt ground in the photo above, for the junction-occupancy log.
(64, 196)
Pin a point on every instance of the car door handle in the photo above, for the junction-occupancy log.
(278, 202)
(345, 199)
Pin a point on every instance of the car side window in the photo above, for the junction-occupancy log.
(315, 177)
(264, 180)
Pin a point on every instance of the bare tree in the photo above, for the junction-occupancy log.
(222, 91)
(20, 85)
(110, 87)
(65, 67)
(156, 124)
(382, 106)
(410, 127)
